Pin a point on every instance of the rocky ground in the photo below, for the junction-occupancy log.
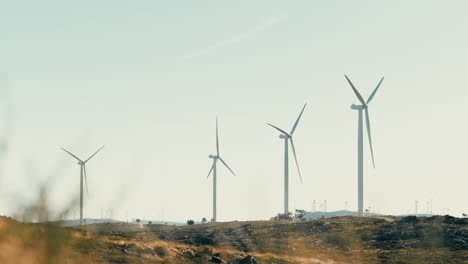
(438, 239)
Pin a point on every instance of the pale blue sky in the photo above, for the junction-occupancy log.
(147, 78)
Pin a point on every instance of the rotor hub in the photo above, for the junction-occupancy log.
(358, 107)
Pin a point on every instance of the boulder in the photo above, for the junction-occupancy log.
(247, 260)
(216, 259)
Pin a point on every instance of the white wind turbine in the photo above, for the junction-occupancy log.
(364, 106)
(213, 169)
(287, 139)
(82, 175)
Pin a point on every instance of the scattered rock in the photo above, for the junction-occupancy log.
(449, 219)
(241, 245)
(216, 259)
(409, 219)
(247, 260)
(456, 239)
(204, 240)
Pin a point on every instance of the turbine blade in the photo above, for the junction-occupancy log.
(94, 154)
(295, 158)
(222, 161)
(217, 140)
(375, 91)
(356, 91)
(86, 179)
(209, 173)
(279, 129)
(369, 135)
(71, 154)
(298, 118)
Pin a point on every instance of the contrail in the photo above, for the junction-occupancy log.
(261, 26)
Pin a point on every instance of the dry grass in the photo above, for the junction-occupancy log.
(340, 240)
(40, 243)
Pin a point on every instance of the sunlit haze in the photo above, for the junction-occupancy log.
(147, 79)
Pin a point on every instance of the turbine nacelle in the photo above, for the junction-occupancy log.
(283, 136)
(212, 157)
(358, 107)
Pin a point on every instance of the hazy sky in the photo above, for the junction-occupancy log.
(147, 78)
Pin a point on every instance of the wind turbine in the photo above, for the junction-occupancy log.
(213, 169)
(364, 106)
(82, 175)
(288, 138)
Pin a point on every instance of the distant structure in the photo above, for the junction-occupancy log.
(82, 175)
(415, 207)
(213, 169)
(322, 209)
(431, 206)
(314, 206)
(288, 139)
(364, 106)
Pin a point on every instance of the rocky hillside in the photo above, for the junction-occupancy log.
(336, 240)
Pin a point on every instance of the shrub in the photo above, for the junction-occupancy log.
(283, 217)
(160, 251)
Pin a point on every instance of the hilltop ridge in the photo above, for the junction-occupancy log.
(438, 239)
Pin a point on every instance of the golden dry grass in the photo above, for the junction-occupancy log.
(325, 241)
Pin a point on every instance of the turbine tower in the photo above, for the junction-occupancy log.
(82, 175)
(288, 139)
(364, 106)
(213, 169)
